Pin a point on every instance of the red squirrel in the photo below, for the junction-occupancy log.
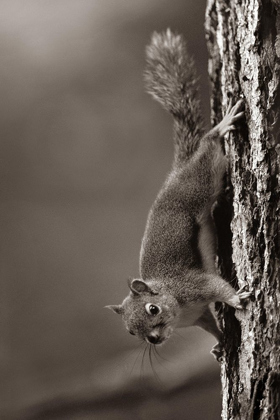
(178, 278)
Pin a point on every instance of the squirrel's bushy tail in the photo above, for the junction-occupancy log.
(171, 79)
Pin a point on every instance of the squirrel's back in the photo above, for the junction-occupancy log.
(170, 246)
(170, 243)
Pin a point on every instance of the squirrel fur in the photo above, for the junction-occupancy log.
(178, 278)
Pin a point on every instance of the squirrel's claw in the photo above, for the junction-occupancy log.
(243, 288)
(237, 116)
(233, 109)
(229, 106)
(242, 294)
(232, 115)
(217, 352)
(237, 299)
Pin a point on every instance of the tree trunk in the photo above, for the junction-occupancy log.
(244, 47)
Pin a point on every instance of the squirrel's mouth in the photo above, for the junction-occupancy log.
(158, 337)
(155, 339)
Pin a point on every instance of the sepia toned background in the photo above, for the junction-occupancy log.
(83, 152)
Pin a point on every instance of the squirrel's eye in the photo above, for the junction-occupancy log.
(152, 309)
(131, 332)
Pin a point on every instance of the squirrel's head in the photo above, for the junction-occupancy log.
(148, 312)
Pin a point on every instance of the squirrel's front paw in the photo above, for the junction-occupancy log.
(237, 300)
(217, 352)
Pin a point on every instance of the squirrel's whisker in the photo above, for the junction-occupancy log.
(142, 361)
(137, 357)
(152, 366)
(156, 352)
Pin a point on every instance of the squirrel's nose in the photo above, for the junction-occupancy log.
(153, 339)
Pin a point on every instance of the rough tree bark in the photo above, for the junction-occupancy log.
(243, 39)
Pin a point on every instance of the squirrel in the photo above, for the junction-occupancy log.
(178, 278)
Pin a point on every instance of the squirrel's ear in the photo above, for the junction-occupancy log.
(118, 309)
(139, 286)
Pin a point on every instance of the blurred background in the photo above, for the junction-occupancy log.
(83, 153)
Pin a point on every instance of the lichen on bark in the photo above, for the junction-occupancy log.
(243, 40)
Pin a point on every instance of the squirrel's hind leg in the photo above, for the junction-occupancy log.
(232, 115)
